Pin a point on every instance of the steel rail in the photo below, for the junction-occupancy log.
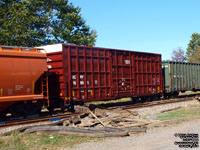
(153, 103)
(26, 121)
(57, 117)
(162, 102)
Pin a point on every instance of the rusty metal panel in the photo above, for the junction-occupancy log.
(90, 73)
(148, 74)
(79, 73)
(87, 73)
(21, 73)
(136, 74)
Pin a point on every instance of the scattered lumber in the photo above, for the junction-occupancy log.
(134, 113)
(81, 109)
(93, 122)
(91, 132)
(135, 130)
(172, 109)
(58, 128)
(96, 117)
(112, 129)
(77, 131)
(23, 128)
(198, 99)
(99, 135)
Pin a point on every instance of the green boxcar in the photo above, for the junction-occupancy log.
(181, 76)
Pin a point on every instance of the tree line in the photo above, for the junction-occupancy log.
(192, 52)
(32, 23)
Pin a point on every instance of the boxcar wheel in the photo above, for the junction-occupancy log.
(71, 107)
(175, 94)
(62, 106)
(17, 110)
(50, 109)
(51, 105)
(134, 100)
(3, 114)
(32, 108)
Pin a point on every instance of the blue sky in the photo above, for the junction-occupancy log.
(157, 26)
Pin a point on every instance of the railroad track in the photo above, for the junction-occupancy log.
(61, 116)
(49, 118)
(153, 103)
(163, 102)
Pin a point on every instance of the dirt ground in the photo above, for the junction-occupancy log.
(156, 139)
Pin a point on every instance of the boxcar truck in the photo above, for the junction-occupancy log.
(23, 85)
(82, 73)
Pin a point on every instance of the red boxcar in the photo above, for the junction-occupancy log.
(82, 73)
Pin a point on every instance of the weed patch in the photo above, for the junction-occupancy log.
(19, 141)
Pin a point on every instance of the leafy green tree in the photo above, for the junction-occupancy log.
(193, 44)
(195, 57)
(42, 22)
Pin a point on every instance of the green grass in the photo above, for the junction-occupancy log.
(112, 101)
(189, 93)
(19, 141)
(184, 114)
